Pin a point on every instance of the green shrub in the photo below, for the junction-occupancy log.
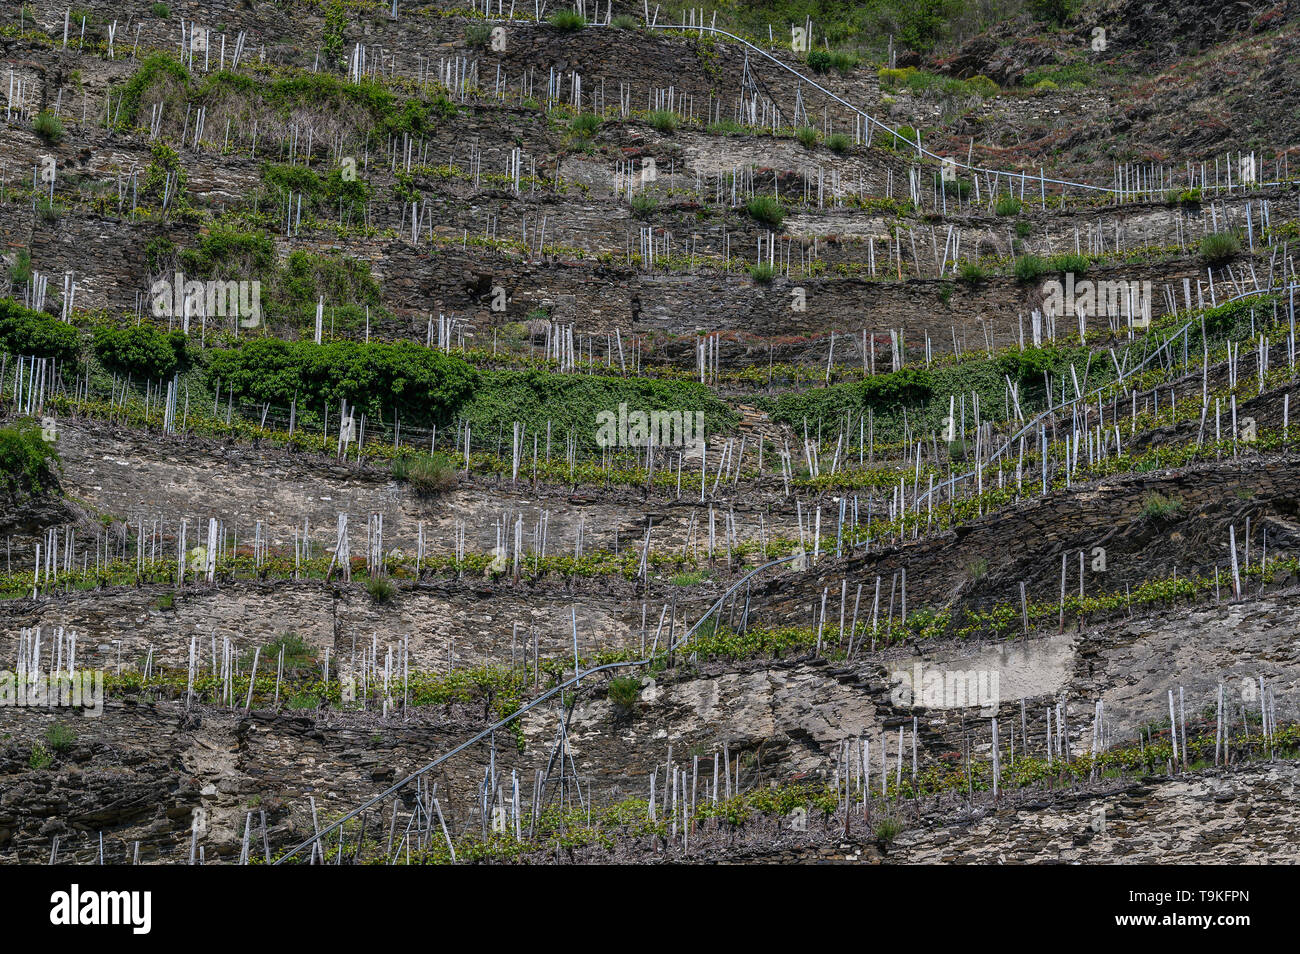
(1160, 507)
(428, 474)
(297, 653)
(584, 125)
(625, 21)
(222, 252)
(1007, 205)
(142, 351)
(881, 392)
(643, 205)
(48, 126)
(725, 127)
(332, 42)
(887, 829)
(1078, 264)
(663, 120)
(1030, 267)
(1220, 247)
(625, 691)
(1028, 365)
(903, 140)
(423, 386)
(972, 273)
(954, 188)
(838, 142)
(922, 83)
(303, 700)
(161, 11)
(762, 272)
(1055, 12)
(380, 588)
(477, 34)
(573, 402)
(843, 61)
(27, 332)
(690, 578)
(39, 758)
(60, 737)
(819, 61)
(823, 61)
(567, 20)
(20, 272)
(807, 135)
(158, 69)
(326, 195)
(922, 23)
(766, 209)
(28, 462)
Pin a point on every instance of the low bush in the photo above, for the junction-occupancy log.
(663, 121)
(39, 757)
(584, 125)
(25, 332)
(1160, 507)
(1030, 267)
(1220, 247)
(20, 272)
(567, 20)
(60, 737)
(423, 386)
(48, 126)
(624, 691)
(28, 462)
(766, 209)
(141, 351)
(297, 653)
(428, 474)
(1077, 264)
(643, 205)
(1007, 205)
(903, 140)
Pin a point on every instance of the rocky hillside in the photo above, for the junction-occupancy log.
(435, 436)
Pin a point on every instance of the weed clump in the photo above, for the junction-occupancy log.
(381, 589)
(1030, 267)
(570, 20)
(427, 474)
(48, 126)
(1160, 507)
(624, 691)
(663, 121)
(1220, 247)
(766, 209)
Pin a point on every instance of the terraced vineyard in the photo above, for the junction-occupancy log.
(436, 433)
